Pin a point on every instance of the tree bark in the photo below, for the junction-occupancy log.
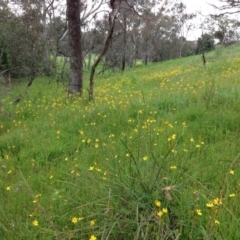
(93, 69)
(124, 42)
(76, 61)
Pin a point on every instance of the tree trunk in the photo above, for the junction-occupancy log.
(76, 62)
(44, 35)
(146, 59)
(124, 42)
(105, 48)
(89, 59)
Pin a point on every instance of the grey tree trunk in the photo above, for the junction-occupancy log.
(76, 62)
(44, 35)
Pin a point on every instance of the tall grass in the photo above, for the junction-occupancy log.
(155, 156)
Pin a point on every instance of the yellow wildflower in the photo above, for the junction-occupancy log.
(174, 136)
(216, 222)
(198, 212)
(209, 205)
(145, 158)
(157, 203)
(74, 220)
(217, 201)
(164, 210)
(92, 222)
(92, 237)
(35, 222)
(160, 213)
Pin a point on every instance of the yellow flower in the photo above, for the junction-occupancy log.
(164, 210)
(209, 205)
(191, 139)
(216, 222)
(232, 195)
(157, 203)
(145, 158)
(91, 168)
(231, 172)
(173, 167)
(92, 237)
(74, 220)
(174, 136)
(160, 213)
(35, 222)
(8, 188)
(198, 212)
(217, 201)
(92, 222)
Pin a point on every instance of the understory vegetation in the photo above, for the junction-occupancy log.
(155, 156)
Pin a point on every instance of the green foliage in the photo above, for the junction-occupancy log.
(155, 156)
(205, 43)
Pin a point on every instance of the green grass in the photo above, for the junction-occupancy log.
(168, 133)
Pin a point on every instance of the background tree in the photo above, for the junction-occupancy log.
(183, 22)
(226, 30)
(75, 47)
(205, 43)
(228, 6)
(23, 45)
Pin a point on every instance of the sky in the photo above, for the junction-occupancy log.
(200, 5)
(204, 8)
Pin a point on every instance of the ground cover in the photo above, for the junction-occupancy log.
(155, 156)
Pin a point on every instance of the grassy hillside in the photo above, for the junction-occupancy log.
(155, 156)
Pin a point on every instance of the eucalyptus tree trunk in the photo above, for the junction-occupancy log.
(76, 62)
(99, 58)
(44, 36)
(124, 42)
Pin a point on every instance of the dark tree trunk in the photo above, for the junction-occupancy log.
(105, 48)
(146, 59)
(76, 63)
(124, 42)
(123, 62)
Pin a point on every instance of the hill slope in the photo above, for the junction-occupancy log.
(155, 156)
